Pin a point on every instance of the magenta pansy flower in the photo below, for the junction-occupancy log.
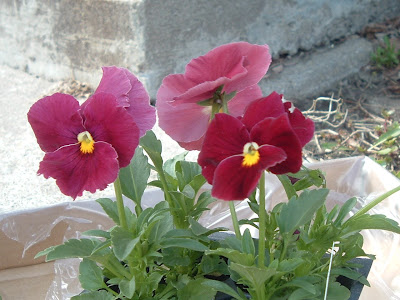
(186, 102)
(130, 94)
(269, 136)
(87, 145)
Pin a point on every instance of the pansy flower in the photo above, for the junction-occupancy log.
(130, 94)
(87, 145)
(269, 136)
(229, 73)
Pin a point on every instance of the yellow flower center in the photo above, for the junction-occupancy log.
(251, 156)
(86, 141)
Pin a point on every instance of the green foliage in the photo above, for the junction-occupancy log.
(386, 56)
(388, 145)
(96, 295)
(134, 177)
(163, 252)
(299, 211)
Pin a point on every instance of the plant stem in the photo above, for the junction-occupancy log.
(225, 106)
(167, 196)
(261, 221)
(105, 286)
(235, 220)
(120, 203)
(373, 203)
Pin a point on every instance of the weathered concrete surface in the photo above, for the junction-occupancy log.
(305, 77)
(64, 38)
(20, 155)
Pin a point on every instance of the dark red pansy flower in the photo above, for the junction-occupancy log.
(87, 145)
(228, 70)
(236, 151)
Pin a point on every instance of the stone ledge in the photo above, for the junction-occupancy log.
(59, 39)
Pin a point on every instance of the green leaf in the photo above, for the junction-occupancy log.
(134, 177)
(233, 255)
(158, 231)
(72, 248)
(391, 133)
(213, 263)
(110, 208)
(350, 273)
(197, 228)
(221, 287)
(302, 294)
(346, 208)
(387, 151)
(303, 283)
(332, 214)
(194, 290)
(123, 242)
(97, 295)
(97, 233)
(101, 248)
(204, 200)
(189, 192)
(153, 148)
(175, 257)
(299, 211)
(147, 285)
(127, 287)
(253, 274)
(183, 243)
(371, 222)
(186, 171)
(289, 265)
(197, 182)
(90, 275)
(308, 178)
(287, 185)
(248, 243)
(180, 202)
(169, 165)
(337, 292)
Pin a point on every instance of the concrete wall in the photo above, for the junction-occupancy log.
(63, 38)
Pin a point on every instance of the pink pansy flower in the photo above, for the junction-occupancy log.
(130, 94)
(236, 151)
(186, 102)
(87, 145)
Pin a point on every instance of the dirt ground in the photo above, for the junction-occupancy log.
(362, 110)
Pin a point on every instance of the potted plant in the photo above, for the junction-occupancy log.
(163, 252)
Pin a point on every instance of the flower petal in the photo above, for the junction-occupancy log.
(238, 104)
(184, 123)
(243, 64)
(270, 106)
(139, 108)
(114, 125)
(116, 82)
(56, 122)
(195, 145)
(278, 132)
(302, 126)
(75, 172)
(200, 92)
(225, 137)
(236, 107)
(232, 181)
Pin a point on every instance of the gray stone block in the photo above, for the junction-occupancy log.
(306, 77)
(60, 39)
